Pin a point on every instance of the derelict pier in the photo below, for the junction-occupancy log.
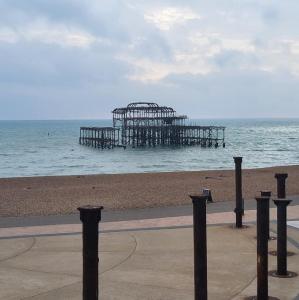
(142, 124)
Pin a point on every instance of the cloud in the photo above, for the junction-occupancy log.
(166, 18)
(44, 32)
(8, 35)
(61, 53)
(235, 94)
(64, 67)
(241, 45)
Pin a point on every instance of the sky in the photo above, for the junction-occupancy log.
(74, 59)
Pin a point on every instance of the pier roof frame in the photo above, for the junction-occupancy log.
(99, 128)
(143, 106)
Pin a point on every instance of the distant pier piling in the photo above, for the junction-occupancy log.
(99, 137)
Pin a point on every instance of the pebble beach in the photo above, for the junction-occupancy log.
(52, 195)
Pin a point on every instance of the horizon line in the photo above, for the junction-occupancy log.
(204, 118)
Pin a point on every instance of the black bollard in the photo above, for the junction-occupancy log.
(262, 226)
(200, 247)
(239, 210)
(90, 217)
(281, 185)
(282, 236)
(267, 194)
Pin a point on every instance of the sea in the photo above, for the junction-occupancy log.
(50, 148)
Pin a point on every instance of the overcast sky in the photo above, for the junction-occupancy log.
(70, 59)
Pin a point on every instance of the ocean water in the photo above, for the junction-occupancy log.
(38, 148)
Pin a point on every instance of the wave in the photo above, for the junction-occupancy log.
(151, 166)
(76, 166)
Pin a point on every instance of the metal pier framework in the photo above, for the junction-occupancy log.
(143, 124)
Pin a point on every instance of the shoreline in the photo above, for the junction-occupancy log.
(50, 195)
(145, 172)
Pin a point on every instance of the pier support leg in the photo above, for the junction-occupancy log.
(239, 199)
(200, 247)
(90, 217)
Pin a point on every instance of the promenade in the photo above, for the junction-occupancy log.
(144, 254)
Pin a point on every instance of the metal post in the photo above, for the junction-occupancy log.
(281, 184)
(262, 226)
(282, 236)
(267, 194)
(239, 199)
(90, 217)
(200, 247)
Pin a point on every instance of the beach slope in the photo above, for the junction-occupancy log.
(63, 194)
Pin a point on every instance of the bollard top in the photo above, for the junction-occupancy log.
(198, 198)
(282, 201)
(266, 193)
(238, 159)
(90, 213)
(281, 175)
(263, 199)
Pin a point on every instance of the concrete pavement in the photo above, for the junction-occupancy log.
(141, 259)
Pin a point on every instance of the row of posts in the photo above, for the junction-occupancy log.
(91, 216)
(263, 236)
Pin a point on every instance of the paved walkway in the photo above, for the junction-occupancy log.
(150, 258)
(131, 214)
(158, 223)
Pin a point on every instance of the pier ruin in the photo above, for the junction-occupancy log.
(142, 124)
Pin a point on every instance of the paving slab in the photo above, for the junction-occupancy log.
(143, 258)
(18, 283)
(144, 264)
(282, 288)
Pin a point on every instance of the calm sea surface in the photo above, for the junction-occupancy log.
(34, 148)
